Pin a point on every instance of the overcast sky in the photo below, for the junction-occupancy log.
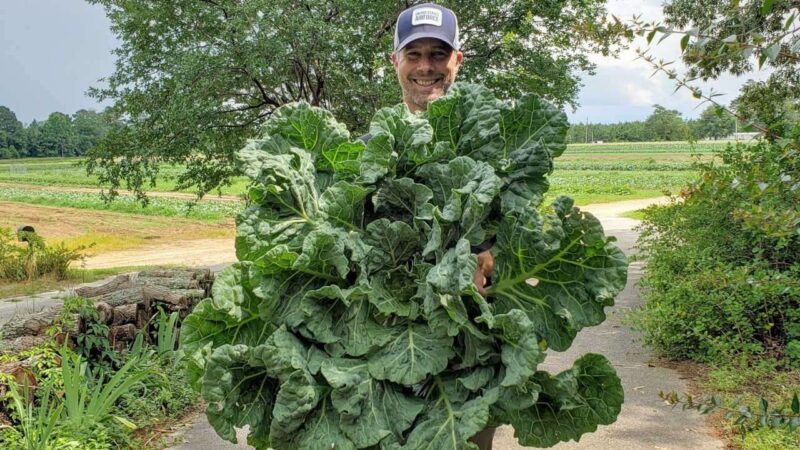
(52, 51)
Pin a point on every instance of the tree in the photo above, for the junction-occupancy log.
(732, 37)
(13, 133)
(666, 125)
(715, 123)
(88, 127)
(57, 138)
(194, 80)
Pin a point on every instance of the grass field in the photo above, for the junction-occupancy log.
(589, 172)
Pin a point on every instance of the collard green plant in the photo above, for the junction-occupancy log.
(352, 320)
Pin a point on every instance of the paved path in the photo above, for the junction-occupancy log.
(645, 421)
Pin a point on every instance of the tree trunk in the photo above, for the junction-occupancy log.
(121, 297)
(30, 325)
(124, 314)
(119, 282)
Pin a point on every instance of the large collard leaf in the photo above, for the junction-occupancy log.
(520, 351)
(450, 418)
(284, 183)
(414, 352)
(559, 269)
(238, 394)
(570, 404)
(467, 121)
(343, 204)
(410, 136)
(389, 245)
(233, 315)
(369, 409)
(463, 190)
(403, 199)
(533, 132)
(269, 241)
(317, 131)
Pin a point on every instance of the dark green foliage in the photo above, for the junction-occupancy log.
(723, 268)
(352, 319)
(194, 80)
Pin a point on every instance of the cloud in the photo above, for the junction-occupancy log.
(625, 88)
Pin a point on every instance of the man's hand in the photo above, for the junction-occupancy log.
(484, 270)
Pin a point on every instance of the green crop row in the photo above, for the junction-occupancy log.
(205, 210)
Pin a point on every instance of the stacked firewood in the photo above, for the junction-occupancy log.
(127, 303)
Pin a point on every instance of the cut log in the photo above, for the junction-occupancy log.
(124, 314)
(121, 297)
(21, 343)
(117, 283)
(195, 274)
(161, 294)
(22, 371)
(105, 313)
(126, 332)
(170, 283)
(143, 316)
(31, 324)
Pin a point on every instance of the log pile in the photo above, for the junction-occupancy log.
(126, 304)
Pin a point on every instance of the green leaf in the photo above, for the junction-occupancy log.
(448, 423)
(403, 199)
(343, 204)
(570, 404)
(533, 132)
(520, 353)
(795, 404)
(772, 51)
(391, 244)
(233, 404)
(559, 269)
(414, 352)
(370, 410)
(685, 42)
(231, 316)
(766, 7)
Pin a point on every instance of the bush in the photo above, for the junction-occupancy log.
(723, 275)
(20, 261)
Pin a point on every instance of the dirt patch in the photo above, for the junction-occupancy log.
(111, 231)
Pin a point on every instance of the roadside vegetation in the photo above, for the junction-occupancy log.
(722, 279)
(92, 396)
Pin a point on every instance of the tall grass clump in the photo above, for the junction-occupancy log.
(34, 258)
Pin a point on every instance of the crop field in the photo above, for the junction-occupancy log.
(594, 173)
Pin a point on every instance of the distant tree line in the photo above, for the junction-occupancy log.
(59, 135)
(662, 125)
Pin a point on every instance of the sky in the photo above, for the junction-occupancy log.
(52, 51)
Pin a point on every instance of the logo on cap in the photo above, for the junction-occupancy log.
(427, 16)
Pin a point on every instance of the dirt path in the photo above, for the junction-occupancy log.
(192, 253)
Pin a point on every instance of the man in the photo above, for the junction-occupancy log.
(426, 58)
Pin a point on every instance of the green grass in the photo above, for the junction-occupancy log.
(206, 210)
(649, 147)
(749, 384)
(70, 172)
(598, 186)
(590, 173)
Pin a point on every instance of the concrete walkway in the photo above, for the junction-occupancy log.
(645, 421)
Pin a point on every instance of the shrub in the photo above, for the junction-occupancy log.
(19, 261)
(722, 262)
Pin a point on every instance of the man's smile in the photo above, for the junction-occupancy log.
(426, 83)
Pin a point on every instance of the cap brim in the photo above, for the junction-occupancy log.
(421, 35)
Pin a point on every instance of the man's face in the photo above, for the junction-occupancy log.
(425, 68)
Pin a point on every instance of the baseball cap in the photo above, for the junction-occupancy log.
(427, 20)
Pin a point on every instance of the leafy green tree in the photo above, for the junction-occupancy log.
(194, 80)
(88, 127)
(732, 37)
(12, 133)
(33, 139)
(57, 138)
(666, 125)
(714, 123)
